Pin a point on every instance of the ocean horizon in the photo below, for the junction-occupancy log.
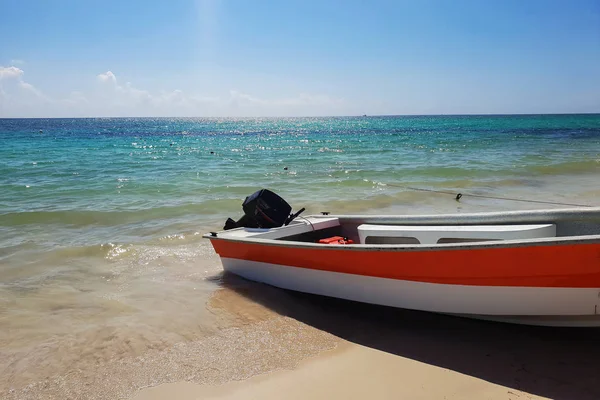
(317, 116)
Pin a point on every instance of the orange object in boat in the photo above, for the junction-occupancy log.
(336, 240)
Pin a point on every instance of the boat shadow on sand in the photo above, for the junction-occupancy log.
(559, 363)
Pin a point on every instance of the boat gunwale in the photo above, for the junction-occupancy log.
(524, 216)
(590, 214)
(551, 241)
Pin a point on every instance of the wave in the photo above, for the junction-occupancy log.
(569, 167)
(28, 254)
(227, 199)
(81, 218)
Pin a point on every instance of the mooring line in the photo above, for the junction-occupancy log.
(458, 195)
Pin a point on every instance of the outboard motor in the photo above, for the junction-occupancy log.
(263, 209)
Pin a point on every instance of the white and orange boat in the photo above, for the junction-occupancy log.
(537, 267)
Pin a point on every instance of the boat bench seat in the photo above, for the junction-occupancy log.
(432, 234)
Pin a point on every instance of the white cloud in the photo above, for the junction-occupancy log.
(238, 97)
(16, 74)
(10, 73)
(18, 97)
(29, 87)
(126, 99)
(108, 76)
(112, 98)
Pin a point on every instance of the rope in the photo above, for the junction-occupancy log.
(307, 220)
(459, 195)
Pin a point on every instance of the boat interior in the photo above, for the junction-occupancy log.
(415, 230)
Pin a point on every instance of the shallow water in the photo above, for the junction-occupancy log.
(102, 264)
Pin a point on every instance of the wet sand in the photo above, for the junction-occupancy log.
(389, 353)
(246, 339)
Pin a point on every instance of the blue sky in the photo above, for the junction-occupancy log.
(290, 58)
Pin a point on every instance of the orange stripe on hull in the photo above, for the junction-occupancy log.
(572, 265)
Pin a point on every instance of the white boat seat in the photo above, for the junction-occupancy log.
(455, 233)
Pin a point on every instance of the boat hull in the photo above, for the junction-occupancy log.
(522, 284)
(523, 305)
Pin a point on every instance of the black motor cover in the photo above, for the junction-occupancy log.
(262, 209)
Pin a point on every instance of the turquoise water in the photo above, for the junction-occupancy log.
(93, 180)
(101, 219)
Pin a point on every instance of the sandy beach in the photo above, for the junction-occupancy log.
(386, 353)
(349, 372)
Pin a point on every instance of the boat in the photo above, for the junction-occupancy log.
(535, 267)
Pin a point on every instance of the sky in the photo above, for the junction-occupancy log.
(246, 58)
